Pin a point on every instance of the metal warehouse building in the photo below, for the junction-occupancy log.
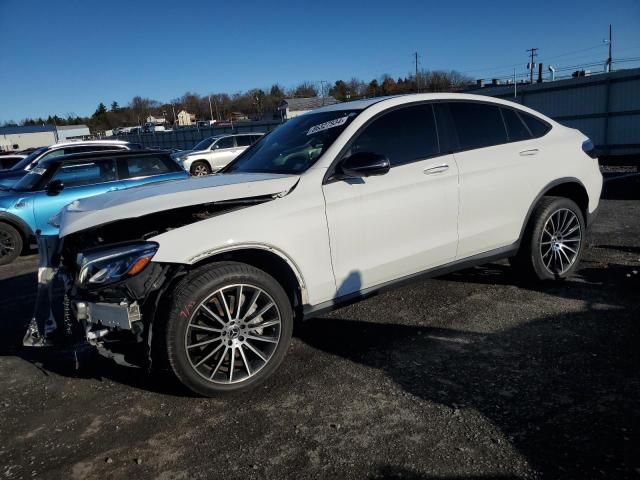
(19, 138)
(72, 132)
(31, 136)
(605, 107)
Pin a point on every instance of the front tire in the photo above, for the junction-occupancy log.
(200, 168)
(10, 244)
(228, 329)
(553, 240)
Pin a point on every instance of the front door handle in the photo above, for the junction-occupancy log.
(528, 153)
(437, 169)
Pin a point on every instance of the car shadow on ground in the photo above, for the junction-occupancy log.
(563, 388)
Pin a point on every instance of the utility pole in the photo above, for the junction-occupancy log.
(322, 82)
(415, 54)
(210, 108)
(531, 63)
(610, 58)
(515, 84)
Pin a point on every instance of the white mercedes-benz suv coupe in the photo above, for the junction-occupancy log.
(207, 275)
(214, 153)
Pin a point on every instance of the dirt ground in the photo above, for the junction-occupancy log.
(473, 375)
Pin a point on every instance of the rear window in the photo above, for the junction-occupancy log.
(538, 127)
(516, 130)
(478, 125)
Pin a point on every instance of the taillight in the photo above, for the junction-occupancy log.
(589, 148)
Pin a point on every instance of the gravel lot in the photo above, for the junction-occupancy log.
(473, 375)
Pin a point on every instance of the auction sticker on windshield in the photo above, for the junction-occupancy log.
(327, 125)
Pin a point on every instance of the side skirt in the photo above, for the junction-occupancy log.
(311, 311)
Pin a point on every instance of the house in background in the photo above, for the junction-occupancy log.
(156, 120)
(185, 118)
(73, 132)
(292, 107)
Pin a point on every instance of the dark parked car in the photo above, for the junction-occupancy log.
(20, 169)
(8, 161)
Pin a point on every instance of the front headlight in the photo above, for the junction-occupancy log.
(110, 265)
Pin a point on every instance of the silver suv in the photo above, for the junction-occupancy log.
(215, 153)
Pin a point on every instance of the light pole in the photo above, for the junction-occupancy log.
(210, 108)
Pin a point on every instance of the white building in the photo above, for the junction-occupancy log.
(29, 136)
(292, 107)
(73, 132)
(185, 118)
(155, 120)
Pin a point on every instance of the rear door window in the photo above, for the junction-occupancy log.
(516, 129)
(403, 136)
(244, 140)
(478, 125)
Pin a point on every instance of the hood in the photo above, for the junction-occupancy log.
(8, 178)
(188, 153)
(138, 201)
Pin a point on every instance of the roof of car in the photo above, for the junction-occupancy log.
(102, 154)
(396, 100)
(89, 142)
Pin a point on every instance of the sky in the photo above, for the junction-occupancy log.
(64, 57)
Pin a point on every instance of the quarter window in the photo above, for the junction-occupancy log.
(403, 135)
(538, 127)
(516, 130)
(478, 125)
(86, 173)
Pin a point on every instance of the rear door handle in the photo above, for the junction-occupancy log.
(437, 169)
(528, 153)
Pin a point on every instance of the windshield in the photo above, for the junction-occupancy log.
(30, 180)
(294, 146)
(24, 163)
(204, 144)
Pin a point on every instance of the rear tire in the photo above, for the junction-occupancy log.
(228, 329)
(10, 244)
(553, 241)
(200, 168)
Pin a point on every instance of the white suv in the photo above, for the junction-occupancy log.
(214, 153)
(332, 207)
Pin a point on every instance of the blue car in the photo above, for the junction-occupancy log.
(26, 207)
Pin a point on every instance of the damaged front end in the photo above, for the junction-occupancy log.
(101, 286)
(106, 296)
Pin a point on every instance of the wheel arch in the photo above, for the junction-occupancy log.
(269, 259)
(20, 225)
(567, 187)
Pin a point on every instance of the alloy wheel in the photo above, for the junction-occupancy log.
(7, 244)
(200, 171)
(561, 241)
(233, 334)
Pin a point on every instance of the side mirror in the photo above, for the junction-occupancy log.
(364, 164)
(55, 187)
